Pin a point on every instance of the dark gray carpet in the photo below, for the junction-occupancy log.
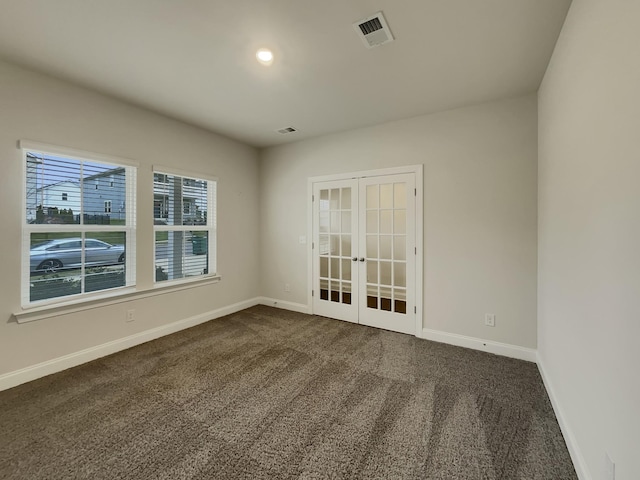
(267, 393)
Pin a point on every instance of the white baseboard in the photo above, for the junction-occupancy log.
(294, 307)
(572, 445)
(504, 349)
(18, 377)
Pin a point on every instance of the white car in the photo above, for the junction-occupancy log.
(54, 255)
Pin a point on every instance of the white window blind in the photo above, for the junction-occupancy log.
(75, 241)
(184, 226)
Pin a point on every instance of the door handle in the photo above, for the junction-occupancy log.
(355, 259)
(362, 259)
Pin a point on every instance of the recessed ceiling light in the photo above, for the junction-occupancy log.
(265, 56)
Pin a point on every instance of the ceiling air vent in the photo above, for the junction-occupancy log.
(286, 130)
(374, 30)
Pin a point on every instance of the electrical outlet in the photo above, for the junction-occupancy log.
(287, 287)
(609, 468)
(490, 319)
(131, 315)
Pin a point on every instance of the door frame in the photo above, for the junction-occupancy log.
(419, 212)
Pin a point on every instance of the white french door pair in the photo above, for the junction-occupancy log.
(364, 239)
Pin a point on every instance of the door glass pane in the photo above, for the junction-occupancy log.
(324, 195)
(346, 198)
(372, 246)
(399, 274)
(385, 273)
(334, 293)
(385, 304)
(386, 195)
(399, 195)
(323, 245)
(334, 204)
(335, 222)
(346, 222)
(400, 221)
(372, 271)
(372, 296)
(335, 267)
(372, 221)
(346, 245)
(385, 221)
(346, 293)
(324, 222)
(346, 269)
(324, 289)
(385, 246)
(399, 305)
(399, 247)
(324, 267)
(335, 245)
(385, 299)
(372, 196)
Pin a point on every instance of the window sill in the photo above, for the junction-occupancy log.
(113, 298)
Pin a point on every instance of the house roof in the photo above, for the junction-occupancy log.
(106, 173)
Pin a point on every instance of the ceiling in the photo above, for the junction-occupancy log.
(194, 60)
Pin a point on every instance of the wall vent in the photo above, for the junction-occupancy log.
(374, 30)
(285, 130)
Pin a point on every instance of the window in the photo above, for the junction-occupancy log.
(79, 247)
(160, 208)
(160, 178)
(184, 226)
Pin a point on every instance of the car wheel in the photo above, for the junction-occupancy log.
(50, 266)
(121, 258)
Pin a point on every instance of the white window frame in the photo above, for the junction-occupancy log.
(129, 228)
(210, 227)
(107, 206)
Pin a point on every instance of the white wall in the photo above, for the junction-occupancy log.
(479, 211)
(589, 233)
(43, 109)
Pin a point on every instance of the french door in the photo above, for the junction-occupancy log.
(364, 240)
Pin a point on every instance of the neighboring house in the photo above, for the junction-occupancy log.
(104, 194)
(193, 193)
(60, 196)
(63, 195)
